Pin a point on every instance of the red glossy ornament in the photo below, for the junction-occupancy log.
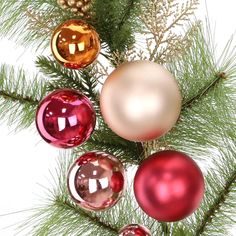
(169, 186)
(134, 230)
(96, 181)
(65, 118)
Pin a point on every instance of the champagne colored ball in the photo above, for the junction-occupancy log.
(134, 230)
(65, 118)
(169, 186)
(96, 181)
(140, 101)
(75, 44)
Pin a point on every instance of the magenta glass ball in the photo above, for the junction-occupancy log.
(65, 118)
(96, 181)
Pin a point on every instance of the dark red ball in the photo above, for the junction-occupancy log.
(169, 186)
(65, 118)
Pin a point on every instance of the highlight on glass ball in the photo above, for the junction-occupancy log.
(75, 44)
(96, 181)
(169, 186)
(134, 230)
(65, 118)
(140, 101)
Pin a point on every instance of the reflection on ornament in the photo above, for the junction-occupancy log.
(134, 230)
(169, 186)
(96, 181)
(140, 101)
(65, 118)
(75, 44)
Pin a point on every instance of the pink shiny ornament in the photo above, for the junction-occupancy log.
(134, 230)
(65, 118)
(169, 186)
(96, 181)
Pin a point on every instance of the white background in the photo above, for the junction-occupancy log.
(25, 160)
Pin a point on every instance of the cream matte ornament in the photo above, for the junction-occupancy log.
(140, 101)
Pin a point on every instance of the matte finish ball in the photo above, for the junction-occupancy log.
(75, 44)
(169, 186)
(134, 230)
(140, 101)
(65, 118)
(96, 181)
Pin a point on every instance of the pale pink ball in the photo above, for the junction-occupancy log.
(140, 101)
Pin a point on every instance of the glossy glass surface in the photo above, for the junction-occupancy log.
(96, 181)
(75, 44)
(65, 118)
(169, 186)
(134, 230)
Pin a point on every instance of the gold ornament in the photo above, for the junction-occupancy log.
(140, 101)
(75, 44)
(79, 7)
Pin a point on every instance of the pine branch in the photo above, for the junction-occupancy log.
(60, 77)
(115, 26)
(104, 139)
(218, 202)
(64, 77)
(165, 229)
(19, 97)
(204, 91)
(95, 220)
(29, 21)
(126, 14)
(199, 73)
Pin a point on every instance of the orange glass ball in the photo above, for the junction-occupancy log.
(75, 44)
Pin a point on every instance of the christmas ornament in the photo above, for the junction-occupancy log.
(169, 186)
(96, 181)
(65, 118)
(79, 7)
(140, 101)
(75, 44)
(134, 230)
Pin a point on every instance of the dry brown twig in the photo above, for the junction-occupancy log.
(161, 38)
(161, 20)
(100, 72)
(37, 22)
